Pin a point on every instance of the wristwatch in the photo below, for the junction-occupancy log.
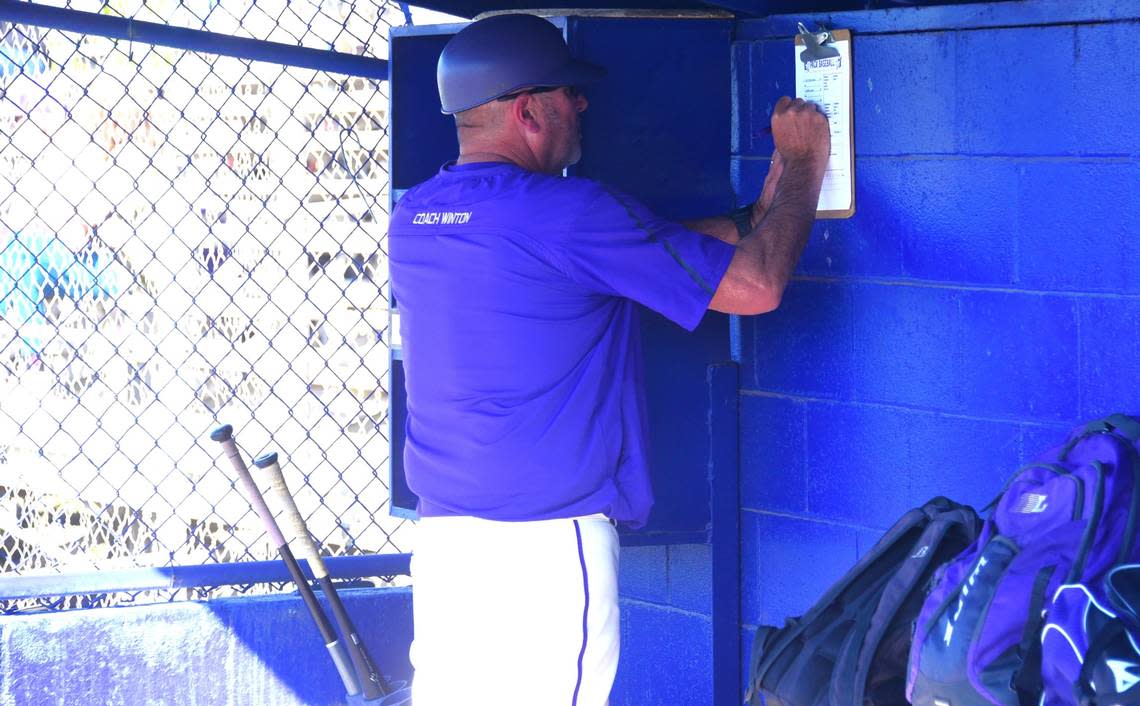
(742, 217)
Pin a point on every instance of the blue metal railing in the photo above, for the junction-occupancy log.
(68, 20)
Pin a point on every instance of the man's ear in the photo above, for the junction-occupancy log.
(527, 112)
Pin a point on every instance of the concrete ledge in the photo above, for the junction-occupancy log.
(258, 650)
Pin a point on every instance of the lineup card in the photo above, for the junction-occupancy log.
(827, 83)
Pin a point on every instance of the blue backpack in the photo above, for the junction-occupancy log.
(850, 649)
(1067, 518)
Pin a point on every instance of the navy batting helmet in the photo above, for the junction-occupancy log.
(493, 57)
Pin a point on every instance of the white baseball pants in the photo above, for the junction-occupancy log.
(514, 613)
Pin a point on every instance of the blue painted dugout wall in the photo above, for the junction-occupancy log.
(984, 298)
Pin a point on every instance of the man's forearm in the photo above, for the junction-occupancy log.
(779, 238)
(783, 215)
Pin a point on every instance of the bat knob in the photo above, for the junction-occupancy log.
(222, 433)
(265, 461)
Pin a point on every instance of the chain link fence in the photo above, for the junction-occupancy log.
(188, 240)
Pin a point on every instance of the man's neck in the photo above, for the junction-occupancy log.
(519, 155)
(483, 156)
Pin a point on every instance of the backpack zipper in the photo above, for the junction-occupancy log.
(1090, 529)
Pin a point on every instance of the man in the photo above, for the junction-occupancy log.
(526, 437)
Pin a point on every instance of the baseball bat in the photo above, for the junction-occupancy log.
(224, 435)
(372, 682)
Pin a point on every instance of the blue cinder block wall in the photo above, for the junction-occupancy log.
(666, 620)
(984, 298)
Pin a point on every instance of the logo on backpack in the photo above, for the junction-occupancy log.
(922, 551)
(1122, 673)
(1031, 504)
(949, 634)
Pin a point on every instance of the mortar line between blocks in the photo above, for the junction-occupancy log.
(813, 518)
(792, 397)
(965, 287)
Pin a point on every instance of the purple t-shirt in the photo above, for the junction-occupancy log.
(521, 343)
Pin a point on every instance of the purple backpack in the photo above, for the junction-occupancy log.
(1067, 518)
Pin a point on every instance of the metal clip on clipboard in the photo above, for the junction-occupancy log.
(816, 44)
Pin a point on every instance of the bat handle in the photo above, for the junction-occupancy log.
(225, 436)
(373, 684)
(291, 514)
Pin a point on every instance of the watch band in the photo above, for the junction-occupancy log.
(742, 217)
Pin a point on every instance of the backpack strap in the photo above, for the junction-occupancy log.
(958, 525)
(1028, 681)
(1125, 426)
(764, 634)
(1122, 425)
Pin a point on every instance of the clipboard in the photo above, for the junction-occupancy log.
(824, 76)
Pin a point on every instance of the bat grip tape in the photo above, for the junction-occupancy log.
(253, 493)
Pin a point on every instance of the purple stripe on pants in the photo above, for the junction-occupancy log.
(585, 609)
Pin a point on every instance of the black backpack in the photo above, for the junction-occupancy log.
(851, 648)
